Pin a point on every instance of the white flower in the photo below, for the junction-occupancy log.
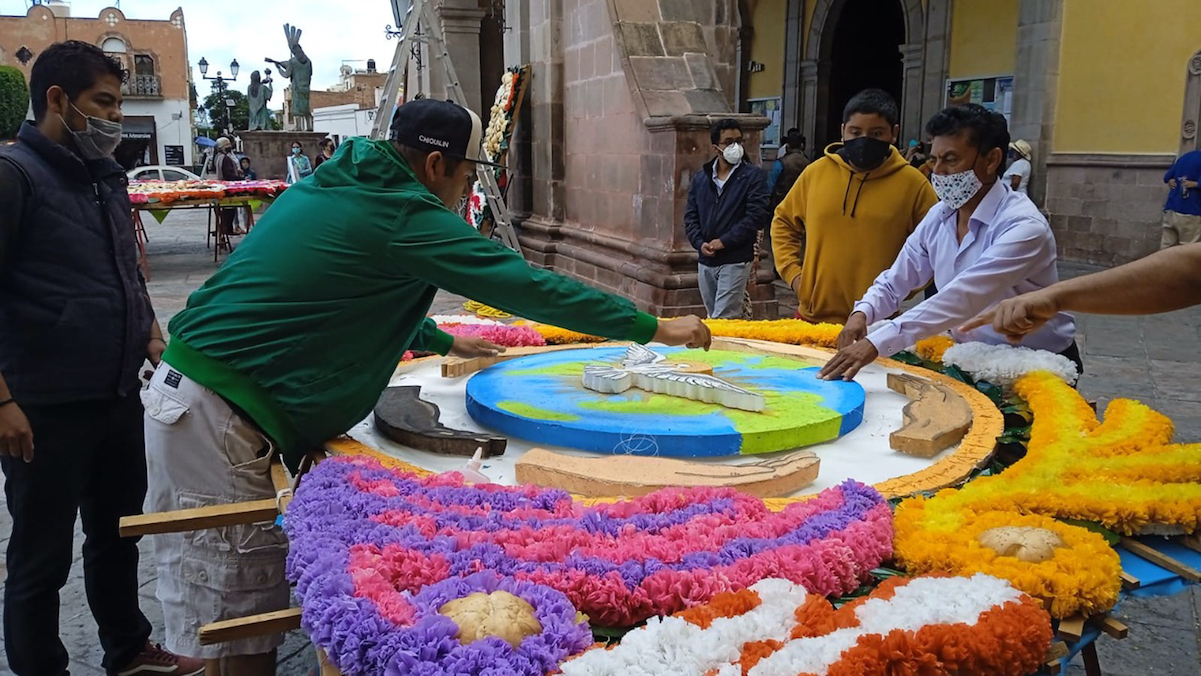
(1003, 365)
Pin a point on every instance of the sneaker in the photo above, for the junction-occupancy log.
(154, 661)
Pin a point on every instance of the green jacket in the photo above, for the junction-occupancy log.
(305, 323)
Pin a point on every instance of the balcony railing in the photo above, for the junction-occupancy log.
(143, 86)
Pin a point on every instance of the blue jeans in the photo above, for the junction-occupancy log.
(722, 288)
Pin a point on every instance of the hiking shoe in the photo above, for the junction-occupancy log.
(154, 661)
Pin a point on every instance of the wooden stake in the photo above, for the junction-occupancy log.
(265, 624)
(1055, 654)
(1193, 541)
(1072, 628)
(1129, 581)
(1114, 628)
(1162, 560)
(200, 518)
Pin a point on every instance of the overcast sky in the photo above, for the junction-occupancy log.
(249, 30)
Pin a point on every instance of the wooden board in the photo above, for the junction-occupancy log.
(453, 367)
(1162, 560)
(1072, 628)
(1129, 581)
(935, 420)
(265, 624)
(215, 516)
(1114, 628)
(631, 476)
(404, 417)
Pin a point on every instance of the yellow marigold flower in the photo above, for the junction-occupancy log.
(933, 348)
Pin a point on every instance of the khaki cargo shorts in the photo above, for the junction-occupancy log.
(199, 452)
(1180, 229)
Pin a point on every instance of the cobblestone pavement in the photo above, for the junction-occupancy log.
(1154, 359)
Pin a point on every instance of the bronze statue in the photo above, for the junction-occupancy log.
(300, 71)
(258, 96)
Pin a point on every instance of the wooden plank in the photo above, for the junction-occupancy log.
(1162, 560)
(631, 476)
(1114, 628)
(200, 518)
(1072, 628)
(1055, 654)
(327, 669)
(936, 418)
(265, 624)
(1129, 581)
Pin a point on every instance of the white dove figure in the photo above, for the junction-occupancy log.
(648, 370)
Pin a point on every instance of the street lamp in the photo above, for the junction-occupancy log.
(219, 83)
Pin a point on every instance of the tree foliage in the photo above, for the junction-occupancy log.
(14, 101)
(220, 114)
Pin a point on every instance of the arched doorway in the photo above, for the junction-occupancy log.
(866, 37)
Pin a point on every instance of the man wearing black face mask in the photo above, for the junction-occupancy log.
(76, 327)
(847, 216)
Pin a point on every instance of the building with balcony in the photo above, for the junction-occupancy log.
(158, 112)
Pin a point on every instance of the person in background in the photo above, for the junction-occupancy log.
(227, 170)
(249, 173)
(912, 150)
(727, 207)
(1182, 211)
(299, 166)
(787, 168)
(983, 242)
(847, 217)
(1018, 173)
(325, 150)
(76, 328)
(787, 135)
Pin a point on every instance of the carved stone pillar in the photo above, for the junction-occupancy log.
(810, 79)
(461, 28)
(1192, 105)
(937, 62)
(912, 60)
(794, 31)
(1036, 83)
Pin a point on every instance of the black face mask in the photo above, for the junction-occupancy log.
(866, 153)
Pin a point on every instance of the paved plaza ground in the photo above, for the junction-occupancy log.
(1154, 359)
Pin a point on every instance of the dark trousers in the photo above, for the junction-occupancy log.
(89, 457)
(1073, 353)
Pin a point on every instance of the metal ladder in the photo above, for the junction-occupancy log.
(421, 14)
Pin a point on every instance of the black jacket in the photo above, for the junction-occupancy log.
(735, 217)
(74, 315)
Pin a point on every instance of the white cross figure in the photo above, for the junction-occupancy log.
(111, 19)
(650, 371)
(177, 22)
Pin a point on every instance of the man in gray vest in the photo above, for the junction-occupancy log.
(76, 327)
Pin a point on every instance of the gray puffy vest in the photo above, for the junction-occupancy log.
(74, 315)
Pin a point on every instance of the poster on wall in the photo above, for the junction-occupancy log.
(994, 93)
(769, 108)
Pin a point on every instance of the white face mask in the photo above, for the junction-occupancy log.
(955, 190)
(733, 154)
(98, 140)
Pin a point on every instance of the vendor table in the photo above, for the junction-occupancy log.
(246, 204)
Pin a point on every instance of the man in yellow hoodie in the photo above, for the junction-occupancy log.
(847, 217)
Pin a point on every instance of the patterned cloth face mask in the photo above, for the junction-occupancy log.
(955, 190)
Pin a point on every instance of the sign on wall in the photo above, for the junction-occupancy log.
(173, 156)
(994, 93)
(770, 108)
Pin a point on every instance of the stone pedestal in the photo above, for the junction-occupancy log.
(268, 150)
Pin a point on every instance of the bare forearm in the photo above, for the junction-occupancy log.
(1162, 282)
(5, 394)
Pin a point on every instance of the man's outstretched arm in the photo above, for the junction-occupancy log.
(1162, 282)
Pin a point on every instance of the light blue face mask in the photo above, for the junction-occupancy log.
(296, 151)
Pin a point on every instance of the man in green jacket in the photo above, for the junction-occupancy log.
(292, 341)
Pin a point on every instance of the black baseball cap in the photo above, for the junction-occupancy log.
(430, 124)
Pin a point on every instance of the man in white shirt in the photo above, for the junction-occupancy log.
(1018, 174)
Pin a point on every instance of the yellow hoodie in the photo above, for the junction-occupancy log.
(838, 229)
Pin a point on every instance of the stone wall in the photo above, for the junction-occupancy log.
(621, 99)
(268, 150)
(1106, 209)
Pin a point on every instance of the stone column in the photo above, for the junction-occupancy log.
(937, 62)
(793, 34)
(912, 60)
(461, 28)
(1036, 83)
(546, 111)
(1192, 105)
(808, 101)
(517, 50)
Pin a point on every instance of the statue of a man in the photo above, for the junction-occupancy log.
(257, 96)
(300, 71)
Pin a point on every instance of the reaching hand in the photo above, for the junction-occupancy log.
(690, 331)
(854, 331)
(1017, 317)
(849, 361)
(16, 437)
(467, 347)
(1172, 183)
